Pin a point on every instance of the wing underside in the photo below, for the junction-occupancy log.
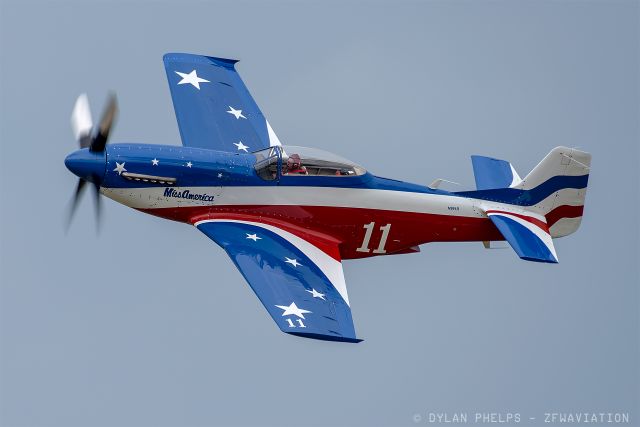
(301, 285)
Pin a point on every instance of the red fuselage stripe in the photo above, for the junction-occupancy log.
(527, 218)
(564, 211)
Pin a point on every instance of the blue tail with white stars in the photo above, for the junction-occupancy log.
(213, 106)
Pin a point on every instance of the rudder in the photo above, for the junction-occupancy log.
(565, 172)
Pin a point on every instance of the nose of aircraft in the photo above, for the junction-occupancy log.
(87, 164)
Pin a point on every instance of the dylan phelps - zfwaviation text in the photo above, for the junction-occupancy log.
(517, 418)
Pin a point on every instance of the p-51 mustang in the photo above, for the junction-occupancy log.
(288, 216)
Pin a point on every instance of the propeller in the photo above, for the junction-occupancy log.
(93, 139)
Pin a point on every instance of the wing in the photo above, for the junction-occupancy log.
(298, 280)
(213, 106)
(527, 233)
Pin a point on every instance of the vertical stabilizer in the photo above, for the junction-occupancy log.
(559, 183)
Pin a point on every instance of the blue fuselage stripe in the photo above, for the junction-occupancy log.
(528, 197)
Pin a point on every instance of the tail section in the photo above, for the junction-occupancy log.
(560, 180)
(555, 188)
(530, 212)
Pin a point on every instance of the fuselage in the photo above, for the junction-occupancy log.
(366, 214)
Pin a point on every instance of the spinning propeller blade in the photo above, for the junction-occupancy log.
(106, 122)
(82, 127)
(81, 122)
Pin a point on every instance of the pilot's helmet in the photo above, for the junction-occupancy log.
(294, 161)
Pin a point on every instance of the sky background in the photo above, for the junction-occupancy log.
(149, 324)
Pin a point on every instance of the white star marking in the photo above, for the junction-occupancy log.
(241, 146)
(293, 309)
(120, 168)
(219, 175)
(155, 162)
(293, 262)
(253, 237)
(236, 113)
(316, 294)
(191, 78)
(189, 164)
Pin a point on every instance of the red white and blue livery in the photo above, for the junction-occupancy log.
(288, 216)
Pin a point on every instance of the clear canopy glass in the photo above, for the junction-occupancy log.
(303, 161)
(315, 162)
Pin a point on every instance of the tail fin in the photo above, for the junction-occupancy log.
(530, 212)
(560, 183)
(555, 189)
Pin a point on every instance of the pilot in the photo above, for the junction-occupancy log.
(294, 165)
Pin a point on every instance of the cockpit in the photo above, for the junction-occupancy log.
(283, 161)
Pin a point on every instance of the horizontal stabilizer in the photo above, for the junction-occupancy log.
(527, 234)
(493, 173)
(435, 184)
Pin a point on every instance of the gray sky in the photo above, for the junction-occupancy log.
(149, 323)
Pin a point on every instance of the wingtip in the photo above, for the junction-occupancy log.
(322, 337)
(551, 260)
(194, 58)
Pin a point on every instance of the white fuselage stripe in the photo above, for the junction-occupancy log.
(154, 198)
(403, 201)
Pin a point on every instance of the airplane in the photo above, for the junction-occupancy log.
(287, 216)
